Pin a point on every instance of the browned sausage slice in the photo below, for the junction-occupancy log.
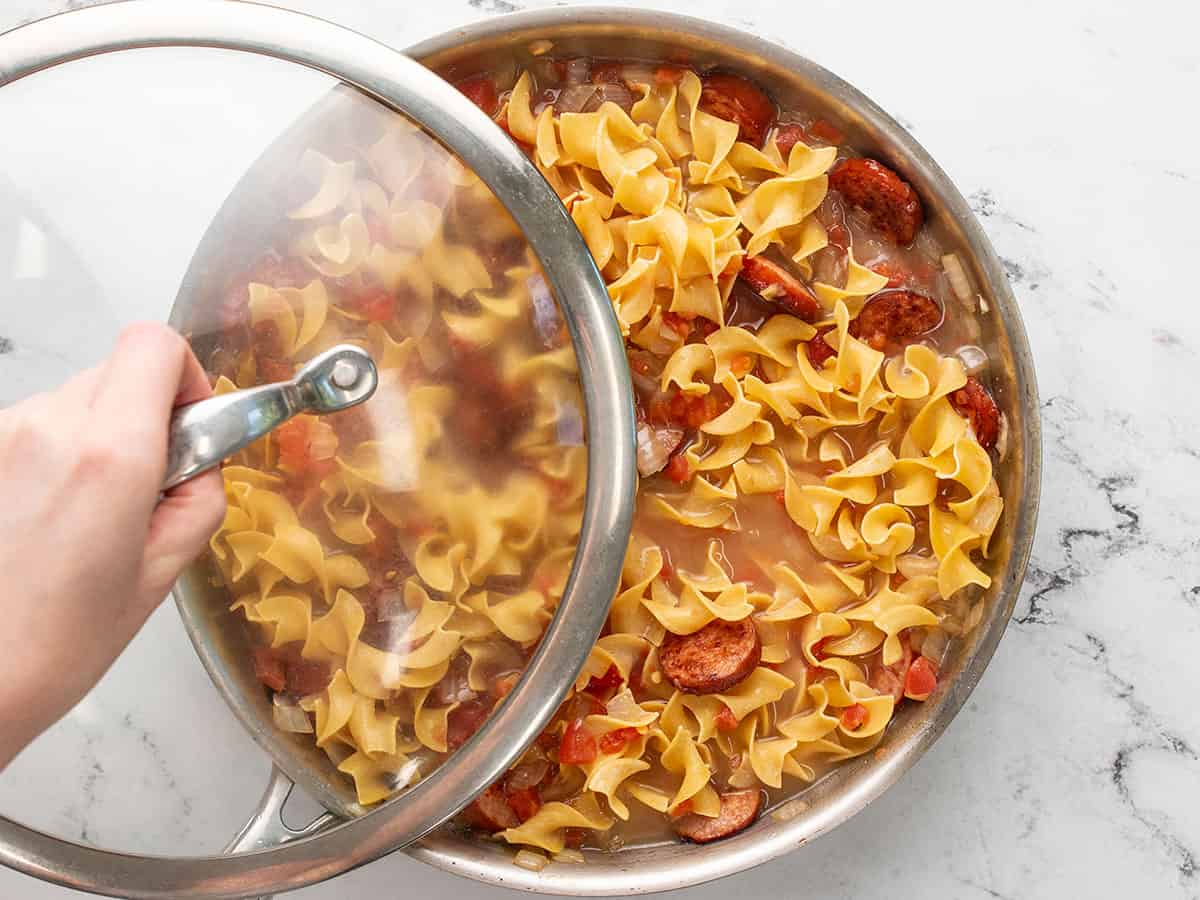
(739, 100)
(973, 402)
(818, 349)
(713, 659)
(739, 809)
(777, 285)
(894, 207)
(895, 317)
(490, 811)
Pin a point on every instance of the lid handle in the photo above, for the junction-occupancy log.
(204, 433)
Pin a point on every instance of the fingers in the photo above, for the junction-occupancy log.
(141, 380)
(193, 381)
(181, 524)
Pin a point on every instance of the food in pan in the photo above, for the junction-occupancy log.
(816, 440)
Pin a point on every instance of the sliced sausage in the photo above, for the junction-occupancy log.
(269, 668)
(713, 659)
(739, 809)
(490, 811)
(896, 317)
(818, 349)
(739, 100)
(777, 285)
(973, 402)
(893, 206)
(464, 720)
(306, 677)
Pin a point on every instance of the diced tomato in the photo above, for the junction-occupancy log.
(680, 324)
(464, 720)
(781, 497)
(854, 716)
(578, 748)
(818, 649)
(788, 136)
(271, 369)
(824, 130)
(682, 809)
(838, 235)
(605, 686)
(894, 272)
(297, 453)
(269, 668)
(615, 741)
(678, 469)
(524, 802)
(705, 409)
(378, 305)
(502, 686)
(668, 74)
(668, 570)
(726, 720)
(920, 680)
(292, 438)
(481, 91)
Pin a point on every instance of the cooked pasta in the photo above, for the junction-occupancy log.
(817, 496)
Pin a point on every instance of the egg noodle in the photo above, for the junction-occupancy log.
(670, 202)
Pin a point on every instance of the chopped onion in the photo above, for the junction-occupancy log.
(289, 717)
(574, 98)
(540, 47)
(1002, 438)
(912, 565)
(973, 358)
(528, 859)
(957, 277)
(974, 617)
(527, 774)
(934, 646)
(569, 855)
(655, 446)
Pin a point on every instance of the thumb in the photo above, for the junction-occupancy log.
(183, 521)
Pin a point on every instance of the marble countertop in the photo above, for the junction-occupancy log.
(1074, 769)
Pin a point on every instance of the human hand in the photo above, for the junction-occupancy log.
(87, 547)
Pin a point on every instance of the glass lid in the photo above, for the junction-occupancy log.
(396, 563)
(385, 573)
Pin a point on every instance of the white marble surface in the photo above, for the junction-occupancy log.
(1074, 769)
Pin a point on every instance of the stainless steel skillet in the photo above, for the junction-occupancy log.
(794, 82)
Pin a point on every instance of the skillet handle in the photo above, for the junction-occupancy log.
(266, 828)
